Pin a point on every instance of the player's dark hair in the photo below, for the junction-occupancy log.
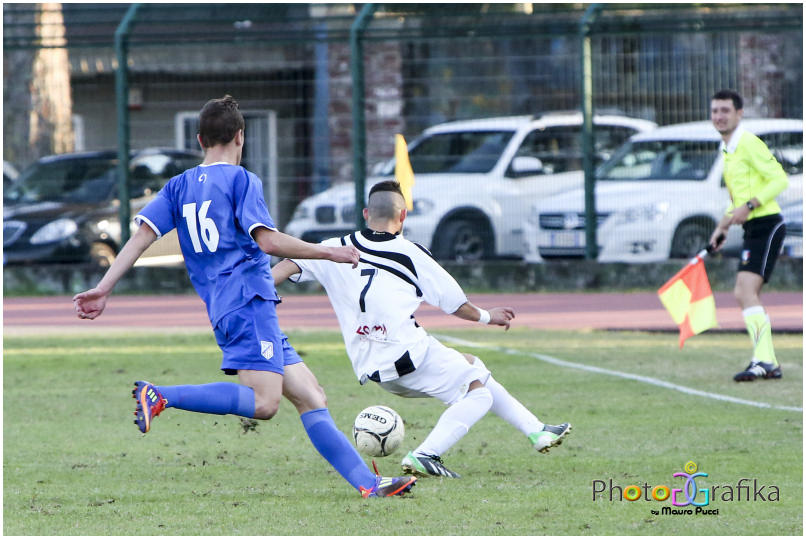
(219, 121)
(384, 206)
(387, 185)
(733, 95)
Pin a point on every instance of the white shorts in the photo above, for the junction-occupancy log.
(444, 374)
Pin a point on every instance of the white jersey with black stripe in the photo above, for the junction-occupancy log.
(375, 302)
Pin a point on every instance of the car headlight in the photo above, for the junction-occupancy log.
(647, 213)
(421, 206)
(54, 231)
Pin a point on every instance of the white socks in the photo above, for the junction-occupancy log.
(457, 419)
(455, 422)
(509, 408)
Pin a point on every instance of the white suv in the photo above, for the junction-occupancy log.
(659, 197)
(475, 181)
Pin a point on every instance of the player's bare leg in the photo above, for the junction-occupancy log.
(268, 388)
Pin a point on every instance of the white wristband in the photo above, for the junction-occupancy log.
(484, 317)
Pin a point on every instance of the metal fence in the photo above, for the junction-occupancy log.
(293, 67)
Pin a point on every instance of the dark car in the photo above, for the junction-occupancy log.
(65, 208)
(10, 175)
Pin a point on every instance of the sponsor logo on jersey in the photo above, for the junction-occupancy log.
(376, 333)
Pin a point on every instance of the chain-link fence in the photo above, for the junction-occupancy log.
(479, 186)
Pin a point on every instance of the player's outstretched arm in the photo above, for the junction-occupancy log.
(281, 245)
(283, 270)
(90, 304)
(499, 316)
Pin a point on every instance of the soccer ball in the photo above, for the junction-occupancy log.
(378, 431)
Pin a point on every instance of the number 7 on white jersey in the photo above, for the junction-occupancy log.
(371, 273)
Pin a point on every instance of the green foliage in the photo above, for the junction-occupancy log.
(74, 464)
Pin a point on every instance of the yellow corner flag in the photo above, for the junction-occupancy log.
(688, 298)
(403, 172)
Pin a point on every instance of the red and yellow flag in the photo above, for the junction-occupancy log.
(688, 298)
(403, 172)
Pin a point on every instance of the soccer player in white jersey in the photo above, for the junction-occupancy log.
(226, 235)
(375, 305)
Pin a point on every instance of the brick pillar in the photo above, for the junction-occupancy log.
(760, 75)
(383, 109)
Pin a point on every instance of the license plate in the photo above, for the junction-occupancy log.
(570, 238)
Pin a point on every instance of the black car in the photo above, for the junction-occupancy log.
(65, 208)
(10, 175)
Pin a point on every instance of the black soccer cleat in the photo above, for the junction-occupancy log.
(758, 369)
(426, 465)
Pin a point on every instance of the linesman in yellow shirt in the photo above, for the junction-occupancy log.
(754, 178)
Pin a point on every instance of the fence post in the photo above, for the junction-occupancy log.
(321, 176)
(591, 248)
(122, 105)
(359, 127)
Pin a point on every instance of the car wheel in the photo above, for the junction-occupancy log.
(463, 241)
(689, 239)
(102, 254)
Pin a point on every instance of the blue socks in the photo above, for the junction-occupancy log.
(334, 446)
(220, 398)
(224, 398)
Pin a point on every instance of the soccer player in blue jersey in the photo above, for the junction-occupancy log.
(227, 236)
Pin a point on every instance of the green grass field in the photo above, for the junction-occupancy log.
(74, 464)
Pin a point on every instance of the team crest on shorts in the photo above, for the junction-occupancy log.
(267, 349)
(745, 256)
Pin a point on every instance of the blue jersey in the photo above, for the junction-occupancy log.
(214, 208)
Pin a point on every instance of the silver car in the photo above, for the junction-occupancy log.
(659, 197)
(475, 181)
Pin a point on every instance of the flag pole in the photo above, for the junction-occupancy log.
(689, 299)
(708, 249)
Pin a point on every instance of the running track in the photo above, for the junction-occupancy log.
(606, 311)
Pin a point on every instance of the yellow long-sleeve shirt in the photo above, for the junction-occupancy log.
(751, 171)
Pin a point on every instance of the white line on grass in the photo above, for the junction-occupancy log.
(636, 377)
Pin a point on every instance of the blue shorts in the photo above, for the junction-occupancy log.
(251, 340)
